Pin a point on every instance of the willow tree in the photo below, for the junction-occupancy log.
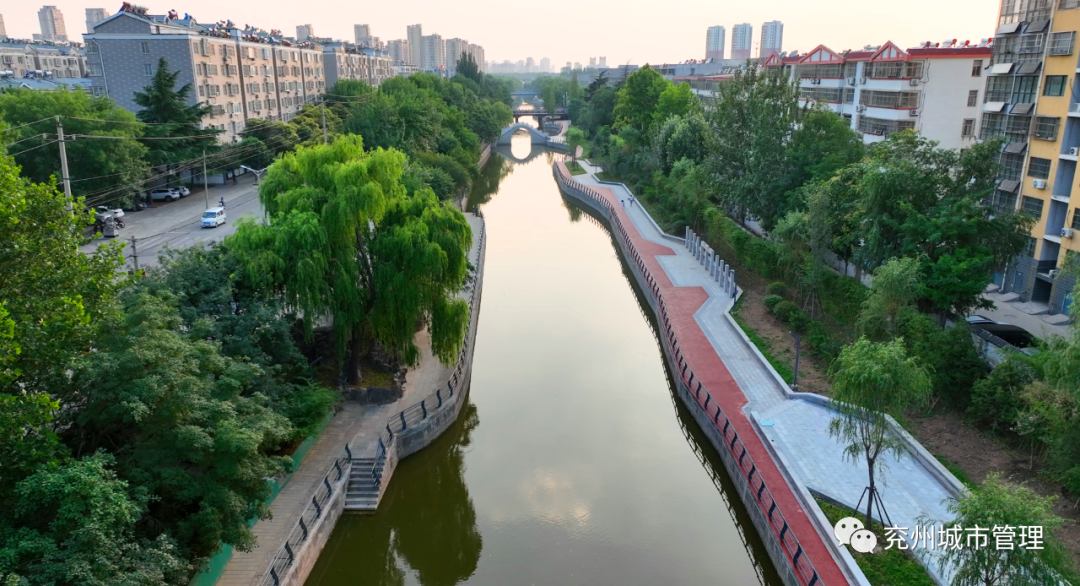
(345, 242)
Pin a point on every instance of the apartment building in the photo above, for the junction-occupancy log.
(398, 50)
(932, 89)
(52, 60)
(240, 74)
(715, 37)
(1033, 101)
(52, 24)
(433, 53)
(350, 61)
(742, 40)
(94, 16)
(414, 34)
(772, 39)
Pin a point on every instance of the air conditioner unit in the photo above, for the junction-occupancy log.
(1066, 233)
(913, 113)
(863, 82)
(1052, 273)
(860, 108)
(914, 81)
(851, 81)
(1039, 183)
(1074, 151)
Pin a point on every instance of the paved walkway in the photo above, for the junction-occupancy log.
(797, 429)
(359, 425)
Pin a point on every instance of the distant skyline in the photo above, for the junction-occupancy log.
(628, 30)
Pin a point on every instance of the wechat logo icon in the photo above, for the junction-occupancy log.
(845, 527)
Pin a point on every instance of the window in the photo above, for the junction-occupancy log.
(1024, 90)
(973, 98)
(148, 69)
(1029, 248)
(1061, 43)
(1032, 205)
(1068, 4)
(1046, 128)
(95, 70)
(1076, 219)
(146, 47)
(976, 68)
(968, 130)
(1055, 85)
(1039, 168)
(99, 90)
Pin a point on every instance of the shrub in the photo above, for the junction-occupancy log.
(996, 400)
(770, 301)
(785, 309)
(776, 288)
(798, 320)
(823, 345)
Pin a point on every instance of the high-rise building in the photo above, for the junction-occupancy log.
(455, 48)
(715, 38)
(530, 65)
(742, 41)
(545, 65)
(433, 54)
(415, 35)
(361, 32)
(772, 39)
(304, 32)
(577, 65)
(603, 61)
(3, 31)
(399, 51)
(52, 24)
(592, 61)
(94, 16)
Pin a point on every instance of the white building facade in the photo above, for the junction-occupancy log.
(715, 38)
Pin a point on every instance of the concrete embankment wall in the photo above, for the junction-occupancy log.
(781, 559)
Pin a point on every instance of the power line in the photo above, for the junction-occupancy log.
(34, 148)
(50, 118)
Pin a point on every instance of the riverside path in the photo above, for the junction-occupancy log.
(788, 430)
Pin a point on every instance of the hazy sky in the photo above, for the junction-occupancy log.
(623, 30)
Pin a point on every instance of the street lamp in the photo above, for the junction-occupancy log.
(258, 172)
(798, 345)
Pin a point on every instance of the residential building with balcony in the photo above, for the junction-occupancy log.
(714, 42)
(931, 89)
(1036, 72)
(54, 61)
(349, 61)
(742, 41)
(241, 75)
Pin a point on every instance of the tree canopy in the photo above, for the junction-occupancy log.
(166, 111)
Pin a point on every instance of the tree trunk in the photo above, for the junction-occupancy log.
(352, 365)
(870, 500)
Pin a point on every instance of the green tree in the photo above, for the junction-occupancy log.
(166, 110)
(467, 67)
(683, 137)
(638, 99)
(346, 242)
(278, 136)
(997, 504)
(675, 100)
(895, 288)
(916, 200)
(187, 424)
(75, 525)
(107, 170)
(872, 381)
(757, 113)
(575, 137)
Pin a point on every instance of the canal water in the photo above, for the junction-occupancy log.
(571, 463)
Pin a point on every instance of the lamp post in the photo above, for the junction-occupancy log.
(798, 345)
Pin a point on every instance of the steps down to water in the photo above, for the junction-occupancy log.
(364, 484)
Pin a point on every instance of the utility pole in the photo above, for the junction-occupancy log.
(323, 106)
(205, 187)
(134, 254)
(64, 166)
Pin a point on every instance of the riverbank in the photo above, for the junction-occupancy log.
(786, 433)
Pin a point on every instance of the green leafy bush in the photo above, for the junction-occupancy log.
(996, 400)
(776, 288)
(770, 301)
(798, 320)
(785, 309)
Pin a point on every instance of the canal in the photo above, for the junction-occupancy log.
(571, 463)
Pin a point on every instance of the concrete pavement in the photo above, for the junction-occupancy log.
(796, 427)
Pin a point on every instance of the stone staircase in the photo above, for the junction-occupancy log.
(362, 493)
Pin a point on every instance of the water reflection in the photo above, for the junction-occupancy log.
(581, 472)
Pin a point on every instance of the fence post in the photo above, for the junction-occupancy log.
(423, 407)
(403, 424)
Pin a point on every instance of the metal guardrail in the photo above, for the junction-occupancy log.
(316, 507)
(803, 568)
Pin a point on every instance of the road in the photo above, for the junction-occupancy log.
(176, 224)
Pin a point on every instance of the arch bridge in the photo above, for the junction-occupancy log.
(535, 136)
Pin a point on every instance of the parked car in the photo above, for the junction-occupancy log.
(102, 212)
(183, 191)
(213, 217)
(1014, 335)
(164, 194)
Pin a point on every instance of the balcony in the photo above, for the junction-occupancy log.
(1074, 109)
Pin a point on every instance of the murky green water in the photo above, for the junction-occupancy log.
(571, 464)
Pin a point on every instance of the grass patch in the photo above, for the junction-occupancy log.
(374, 378)
(575, 168)
(605, 176)
(956, 471)
(763, 345)
(888, 567)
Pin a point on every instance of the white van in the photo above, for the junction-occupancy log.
(213, 217)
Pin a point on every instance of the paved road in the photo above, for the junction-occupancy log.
(176, 224)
